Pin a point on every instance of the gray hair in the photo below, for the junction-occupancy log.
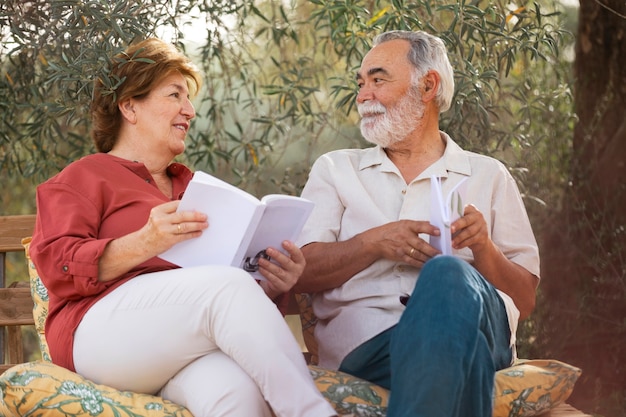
(427, 53)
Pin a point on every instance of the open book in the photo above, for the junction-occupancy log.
(241, 226)
(444, 210)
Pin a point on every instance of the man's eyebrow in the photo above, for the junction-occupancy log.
(373, 71)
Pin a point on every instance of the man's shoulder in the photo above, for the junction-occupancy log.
(352, 156)
(348, 153)
(484, 161)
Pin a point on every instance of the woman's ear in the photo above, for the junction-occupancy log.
(127, 109)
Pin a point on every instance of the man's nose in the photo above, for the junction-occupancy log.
(364, 95)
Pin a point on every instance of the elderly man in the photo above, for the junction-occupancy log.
(434, 329)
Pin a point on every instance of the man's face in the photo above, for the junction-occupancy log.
(388, 101)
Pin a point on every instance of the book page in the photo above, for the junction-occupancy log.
(230, 212)
(445, 210)
(283, 219)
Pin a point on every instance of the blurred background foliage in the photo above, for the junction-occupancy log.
(279, 89)
(279, 79)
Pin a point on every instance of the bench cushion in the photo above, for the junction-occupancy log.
(42, 386)
(529, 388)
(532, 387)
(31, 388)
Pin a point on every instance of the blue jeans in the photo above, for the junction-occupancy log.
(440, 359)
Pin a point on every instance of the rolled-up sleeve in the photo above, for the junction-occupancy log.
(324, 224)
(65, 247)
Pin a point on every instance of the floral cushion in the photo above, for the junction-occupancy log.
(38, 388)
(39, 293)
(41, 387)
(533, 387)
(528, 388)
(348, 394)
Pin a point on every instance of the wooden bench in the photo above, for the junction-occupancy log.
(16, 305)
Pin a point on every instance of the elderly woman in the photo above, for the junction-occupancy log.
(208, 338)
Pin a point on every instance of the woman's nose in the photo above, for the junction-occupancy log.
(189, 110)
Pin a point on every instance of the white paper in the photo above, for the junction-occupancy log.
(233, 217)
(444, 210)
(283, 219)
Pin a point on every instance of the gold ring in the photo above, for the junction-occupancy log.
(412, 252)
(179, 228)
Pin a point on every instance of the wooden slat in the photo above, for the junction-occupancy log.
(13, 229)
(15, 347)
(16, 306)
(16, 310)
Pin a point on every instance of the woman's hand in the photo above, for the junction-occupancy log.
(165, 227)
(283, 271)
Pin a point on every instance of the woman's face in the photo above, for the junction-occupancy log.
(163, 116)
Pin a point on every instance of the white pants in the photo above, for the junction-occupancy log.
(207, 338)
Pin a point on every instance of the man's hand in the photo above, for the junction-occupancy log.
(470, 231)
(400, 241)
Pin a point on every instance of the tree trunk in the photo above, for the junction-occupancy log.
(583, 291)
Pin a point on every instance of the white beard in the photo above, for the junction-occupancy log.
(386, 127)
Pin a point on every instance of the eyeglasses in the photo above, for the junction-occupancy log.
(252, 264)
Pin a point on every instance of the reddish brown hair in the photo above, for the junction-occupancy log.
(137, 70)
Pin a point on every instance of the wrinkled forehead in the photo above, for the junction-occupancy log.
(385, 59)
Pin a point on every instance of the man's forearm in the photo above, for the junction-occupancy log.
(329, 265)
(509, 278)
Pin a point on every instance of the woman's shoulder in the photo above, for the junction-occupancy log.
(94, 163)
(84, 171)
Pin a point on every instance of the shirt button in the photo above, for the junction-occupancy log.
(404, 191)
(148, 180)
(65, 268)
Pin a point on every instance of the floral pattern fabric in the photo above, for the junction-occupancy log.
(40, 388)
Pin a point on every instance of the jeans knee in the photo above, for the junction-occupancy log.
(446, 271)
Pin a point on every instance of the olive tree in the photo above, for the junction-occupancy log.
(279, 79)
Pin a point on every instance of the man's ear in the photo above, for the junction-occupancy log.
(431, 83)
(127, 108)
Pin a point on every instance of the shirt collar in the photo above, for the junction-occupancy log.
(454, 159)
(180, 174)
